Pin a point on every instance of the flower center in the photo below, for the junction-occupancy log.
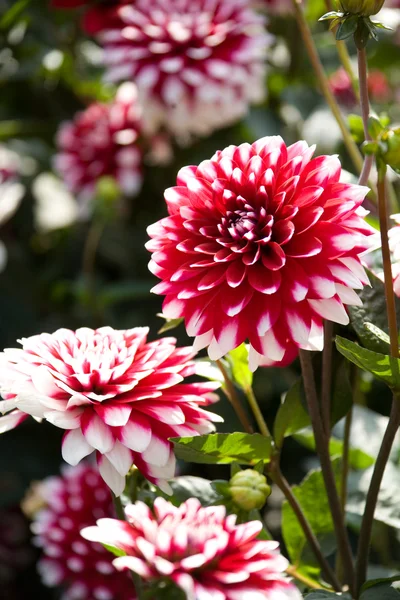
(247, 224)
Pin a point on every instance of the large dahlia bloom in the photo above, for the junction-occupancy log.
(198, 64)
(262, 242)
(84, 569)
(114, 393)
(102, 141)
(201, 549)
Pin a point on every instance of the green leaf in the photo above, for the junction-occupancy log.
(114, 550)
(239, 363)
(188, 486)
(169, 323)
(384, 367)
(373, 310)
(333, 14)
(382, 591)
(379, 334)
(356, 127)
(313, 500)
(12, 14)
(375, 127)
(291, 415)
(357, 458)
(374, 582)
(347, 27)
(224, 448)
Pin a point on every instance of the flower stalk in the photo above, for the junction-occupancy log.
(351, 146)
(322, 446)
(234, 399)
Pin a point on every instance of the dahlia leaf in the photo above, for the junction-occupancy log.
(358, 459)
(114, 550)
(169, 323)
(384, 367)
(311, 495)
(224, 448)
(291, 416)
(193, 487)
(376, 582)
(381, 591)
(373, 310)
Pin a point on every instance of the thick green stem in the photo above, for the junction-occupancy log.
(252, 400)
(350, 144)
(322, 446)
(278, 478)
(234, 399)
(373, 492)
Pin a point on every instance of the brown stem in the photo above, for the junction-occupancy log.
(322, 446)
(234, 399)
(387, 267)
(373, 491)
(278, 478)
(350, 144)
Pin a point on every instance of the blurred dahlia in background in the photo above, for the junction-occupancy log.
(11, 192)
(201, 549)
(378, 87)
(394, 243)
(262, 242)
(59, 508)
(102, 141)
(198, 64)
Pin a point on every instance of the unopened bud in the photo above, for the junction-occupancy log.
(392, 155)
(249, 489)
(365, 8)
(107, 189)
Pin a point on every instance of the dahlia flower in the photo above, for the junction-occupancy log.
(102, 141)
(201, 549)
(198, 64)
(114, 393)
(11, 192)
(341, 86)
(261, 242)
(70, 502)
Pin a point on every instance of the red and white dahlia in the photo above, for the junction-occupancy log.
(102, 141)
(201, 549)
(114, 393)
(263, 243)
(85, 570)
(198, 64)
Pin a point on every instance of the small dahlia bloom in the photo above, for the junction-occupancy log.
(201, 549)
(113, 392)
(84, 569)
(102, 141)
(198, 64)
(263, 243)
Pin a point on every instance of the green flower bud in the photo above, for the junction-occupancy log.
(107, 189)
(366, 8)
(249, 489)
(392, 155)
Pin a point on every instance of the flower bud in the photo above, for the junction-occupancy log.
(249, 489)
(107, 189)
(365, 8)
(392, 154)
